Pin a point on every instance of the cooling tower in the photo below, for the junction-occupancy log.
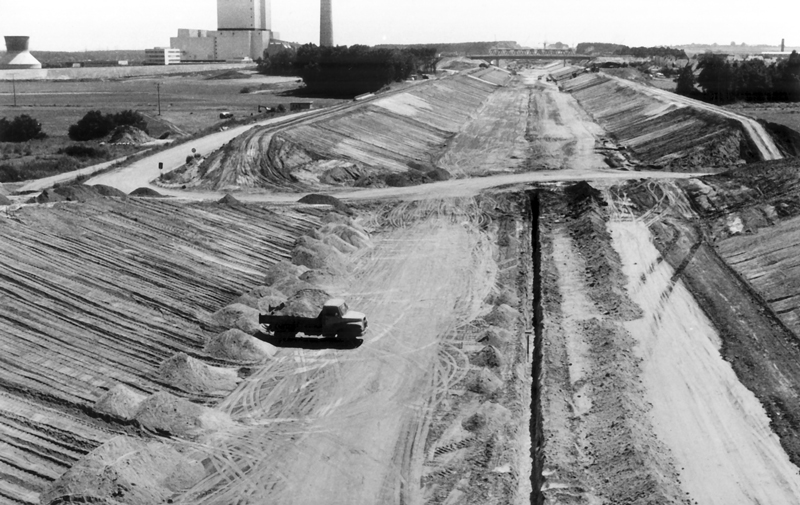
(17, 55)
(326, 24)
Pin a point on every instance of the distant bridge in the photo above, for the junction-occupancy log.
(504, 53)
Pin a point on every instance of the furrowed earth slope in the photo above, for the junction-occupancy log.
(99, 294)
(666, 130)
(403, 133)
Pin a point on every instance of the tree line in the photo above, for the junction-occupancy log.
(348, 71)
(623, 50)
(751, 80)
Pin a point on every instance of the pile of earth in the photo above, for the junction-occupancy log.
(236, 345)
(316, 199)
(77, 193)
(3, 198)
(129, 135)
(120, 402)
(193, 376)
(169, 415)
(146, 193)
(125, 470)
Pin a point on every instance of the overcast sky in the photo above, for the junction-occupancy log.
(75, 25)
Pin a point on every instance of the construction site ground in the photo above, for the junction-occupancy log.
(548, 326)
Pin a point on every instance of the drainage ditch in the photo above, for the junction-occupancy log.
(537, 439)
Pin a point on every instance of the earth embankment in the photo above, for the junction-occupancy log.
(665, 130)
(101, 293)
(403, 134)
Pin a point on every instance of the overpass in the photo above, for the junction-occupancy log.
(505, 53)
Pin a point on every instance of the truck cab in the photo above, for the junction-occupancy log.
(337, 318)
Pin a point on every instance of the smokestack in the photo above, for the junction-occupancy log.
(326, 24)
(783, 44)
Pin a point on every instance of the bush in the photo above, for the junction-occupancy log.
(20, 129)
(37, 169)
(79, 151)
(95, 124)
(245, 90)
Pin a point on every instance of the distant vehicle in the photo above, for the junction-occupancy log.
(335, 320)
(225, 115)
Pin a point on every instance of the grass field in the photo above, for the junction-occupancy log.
(189, 104)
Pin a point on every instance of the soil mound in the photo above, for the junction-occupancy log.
(280, 271)
(351, 234)
(316, 254)
(170, 415)
(4, 200)
(78, 193)
(129, 135)
(489, 357)
(502, 316)
(305, 303)
(237, 316)
(236, 345)
(262, 298)
(126, 470)
(47, 196)
(489, 417)
(104, 190)
(120, 402)
(2, 189)
(315, 199)
(485, 382)
(146, 192)
(229, 199)
(194, 376)
(495, 337)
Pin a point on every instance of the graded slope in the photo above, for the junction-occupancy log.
(99, 294)
(666, 130)
(402, 132)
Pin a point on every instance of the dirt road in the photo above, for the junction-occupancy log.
(716, 430)
(349, 426)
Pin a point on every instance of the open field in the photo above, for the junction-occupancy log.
(616, 339)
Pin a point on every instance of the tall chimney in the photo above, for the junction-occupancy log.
(326, 24)
(783, 45)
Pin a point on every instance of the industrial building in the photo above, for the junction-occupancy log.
(326, 24)
(244, 31)
(17, 55)
(162, 56)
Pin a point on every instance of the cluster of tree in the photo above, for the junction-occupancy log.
(593, 48)
(20, 129)
(650, 52)
(749, 80)
(95, 124)
(344, 71)
(456, 49)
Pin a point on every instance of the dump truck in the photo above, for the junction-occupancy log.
(335, 320)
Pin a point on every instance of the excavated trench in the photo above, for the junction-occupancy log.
(536, 431)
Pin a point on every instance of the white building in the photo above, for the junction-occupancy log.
(162, 56)
(244, 31)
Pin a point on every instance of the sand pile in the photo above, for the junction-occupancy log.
(489, 357)
(146, 192)
(237, 316)
(315, 199)
(120, 402)
(4, 200)
(489, 417)
(236, 345)
(262, 298)
(316, 254)
(170, 415)
(349, 233)
(194, 376)
(126, 470)
(502, 316)
(304, 303)
(129, 135)
(229, 199)
(108, 191)
(485, 382)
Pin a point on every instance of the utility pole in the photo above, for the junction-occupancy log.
(158, 88)
(14, 87)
